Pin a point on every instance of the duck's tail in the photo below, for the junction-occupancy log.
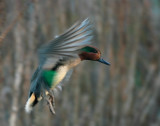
(31, 102)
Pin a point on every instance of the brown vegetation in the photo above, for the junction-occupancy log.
(127, 93)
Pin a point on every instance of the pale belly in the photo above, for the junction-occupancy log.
(61, 73)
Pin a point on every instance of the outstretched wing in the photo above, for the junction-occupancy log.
(66, 45)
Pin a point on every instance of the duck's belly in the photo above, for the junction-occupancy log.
(61, 73)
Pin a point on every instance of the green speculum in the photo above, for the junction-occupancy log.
(49, 76)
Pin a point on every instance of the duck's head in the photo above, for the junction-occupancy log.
(92, 53)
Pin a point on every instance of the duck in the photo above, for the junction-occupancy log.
(57, 58)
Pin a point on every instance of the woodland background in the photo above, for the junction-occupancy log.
(127, 93)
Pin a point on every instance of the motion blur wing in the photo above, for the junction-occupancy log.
(66, 45)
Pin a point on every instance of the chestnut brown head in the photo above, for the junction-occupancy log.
(91, 53)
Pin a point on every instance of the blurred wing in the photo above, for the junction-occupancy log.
(67, 44)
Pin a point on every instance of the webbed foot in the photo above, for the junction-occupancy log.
(51, 103)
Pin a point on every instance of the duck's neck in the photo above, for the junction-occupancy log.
(73, 62)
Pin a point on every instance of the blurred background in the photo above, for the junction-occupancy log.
(127, 93)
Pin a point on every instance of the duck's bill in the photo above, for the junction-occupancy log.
(103, 61)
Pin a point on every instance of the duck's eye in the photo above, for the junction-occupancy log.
(94, 51)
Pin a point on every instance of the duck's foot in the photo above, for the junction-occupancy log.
(51, 103)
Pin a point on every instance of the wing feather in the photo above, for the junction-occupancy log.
(67, 44)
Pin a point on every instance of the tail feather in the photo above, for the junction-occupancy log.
(30, 102)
